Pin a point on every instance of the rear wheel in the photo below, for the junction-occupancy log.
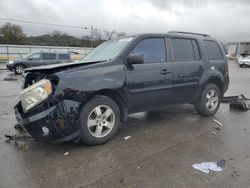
(209, 100)
(19, 68)
(99, 120)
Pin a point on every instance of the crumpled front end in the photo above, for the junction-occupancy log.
(54, 119)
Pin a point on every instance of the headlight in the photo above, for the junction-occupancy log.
(11, 62)
(35, 94)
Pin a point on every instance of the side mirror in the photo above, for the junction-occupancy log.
(135, 58)
(30, 58)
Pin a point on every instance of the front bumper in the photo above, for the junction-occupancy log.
(9, 67)
(60, 120)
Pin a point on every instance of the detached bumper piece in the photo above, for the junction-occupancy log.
(238, 102)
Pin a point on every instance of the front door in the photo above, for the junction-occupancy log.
(149, 84)
(34, 59)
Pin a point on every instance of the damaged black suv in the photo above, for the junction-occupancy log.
(86, 100)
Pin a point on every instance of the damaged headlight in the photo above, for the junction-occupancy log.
(35, 94)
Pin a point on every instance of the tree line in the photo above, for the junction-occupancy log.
(13, 34)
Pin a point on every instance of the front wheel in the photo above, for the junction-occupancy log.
(209, 100)
(19, 69)
(99, 120)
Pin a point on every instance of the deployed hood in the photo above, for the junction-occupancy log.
(60, 66)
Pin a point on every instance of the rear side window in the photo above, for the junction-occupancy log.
(64, 56)
(185, 49)
(213, 50)
(153, 48)
(49, 56)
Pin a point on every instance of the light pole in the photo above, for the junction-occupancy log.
(91, 34)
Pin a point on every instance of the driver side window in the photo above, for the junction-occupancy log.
(154, 50)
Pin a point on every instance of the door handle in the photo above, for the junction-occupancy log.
(164, 71)
(200, 68)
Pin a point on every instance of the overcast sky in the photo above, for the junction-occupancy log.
(223, 19)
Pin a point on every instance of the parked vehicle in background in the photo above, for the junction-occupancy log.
(87, 100)
(244, 60)
(37, 59)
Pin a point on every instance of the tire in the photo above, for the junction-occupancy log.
(19, 68)
(206, 106)
(94, 128)
(240, 65)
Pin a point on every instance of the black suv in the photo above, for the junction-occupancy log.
(88, 99)
(36, 59)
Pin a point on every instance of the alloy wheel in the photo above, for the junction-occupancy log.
(212, 100)
(101, 121)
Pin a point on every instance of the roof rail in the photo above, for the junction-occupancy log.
(190, 33)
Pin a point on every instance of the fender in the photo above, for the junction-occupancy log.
(210, 77)
(92, 80)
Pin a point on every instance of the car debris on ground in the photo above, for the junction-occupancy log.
(24, 137)
(238, 102)
(66, 153)
(20, 140)
(216, 121)
(9, 79)
(214, 133)
(206, 167)
(127, 137)
(22, 146)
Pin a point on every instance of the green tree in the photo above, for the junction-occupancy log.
(13, 34)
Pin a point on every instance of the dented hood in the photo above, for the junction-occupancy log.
(60, 66)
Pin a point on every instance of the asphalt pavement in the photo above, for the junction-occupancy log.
(160, 152)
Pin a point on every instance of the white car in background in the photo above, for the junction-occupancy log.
(244, 61)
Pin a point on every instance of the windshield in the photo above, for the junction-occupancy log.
(107, 50)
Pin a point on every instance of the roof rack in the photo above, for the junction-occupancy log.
(190, 33)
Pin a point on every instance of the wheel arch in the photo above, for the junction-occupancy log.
(212, 79)
(114, 95)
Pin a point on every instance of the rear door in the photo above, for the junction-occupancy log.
(64, 58)
(188, 68)
(149, 84)
(49, 58)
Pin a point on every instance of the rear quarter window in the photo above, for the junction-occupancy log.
(63, 56)
(213, 50)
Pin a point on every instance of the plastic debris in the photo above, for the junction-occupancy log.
(221, 163)
(206, 167)
(66, 153)
(234, 98)
(127, 137)
(9, 79)
(24, 137)
(214, 133)
(22, 146)
(240, 105)
(216, 121)
(218, 128)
